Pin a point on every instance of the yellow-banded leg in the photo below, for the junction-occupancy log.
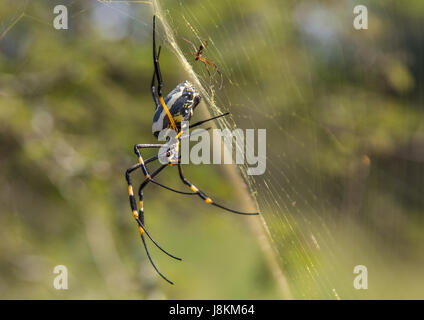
(139, 214)
(140, 158)
(205, 198)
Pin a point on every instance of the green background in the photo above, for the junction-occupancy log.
(343, 111)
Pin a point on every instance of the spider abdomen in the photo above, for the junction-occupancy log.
(180, 102)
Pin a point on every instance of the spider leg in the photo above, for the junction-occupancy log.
(140, 220)
(144, 169)
(206, 61)
(192, 45)
(171, 189)
(207, 199)
(202, 60)
(209, 62)
(152, 86)
(140, 158)
(152, 263)
(203, 121)
(159, 77)
(207, 68)
(156, 59)
(139, 216)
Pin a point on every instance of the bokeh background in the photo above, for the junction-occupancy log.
(344, 183)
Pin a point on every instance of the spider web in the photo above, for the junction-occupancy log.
(318, 216)
(276, 194)
(321, 200)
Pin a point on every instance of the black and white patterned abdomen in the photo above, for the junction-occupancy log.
(180, 102)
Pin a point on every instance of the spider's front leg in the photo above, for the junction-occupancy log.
(195, 51)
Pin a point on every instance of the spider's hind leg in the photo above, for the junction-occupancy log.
(139, 214)
(143, 230)
(207, 199)
(140, 158)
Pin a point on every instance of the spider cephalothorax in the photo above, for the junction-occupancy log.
(176, 107)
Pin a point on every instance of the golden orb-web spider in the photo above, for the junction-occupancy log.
(176, 107)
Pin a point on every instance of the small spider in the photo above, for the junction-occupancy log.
(198, 57)
(176, 107)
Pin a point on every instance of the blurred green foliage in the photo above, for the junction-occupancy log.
(72, 105)
(344, 119)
